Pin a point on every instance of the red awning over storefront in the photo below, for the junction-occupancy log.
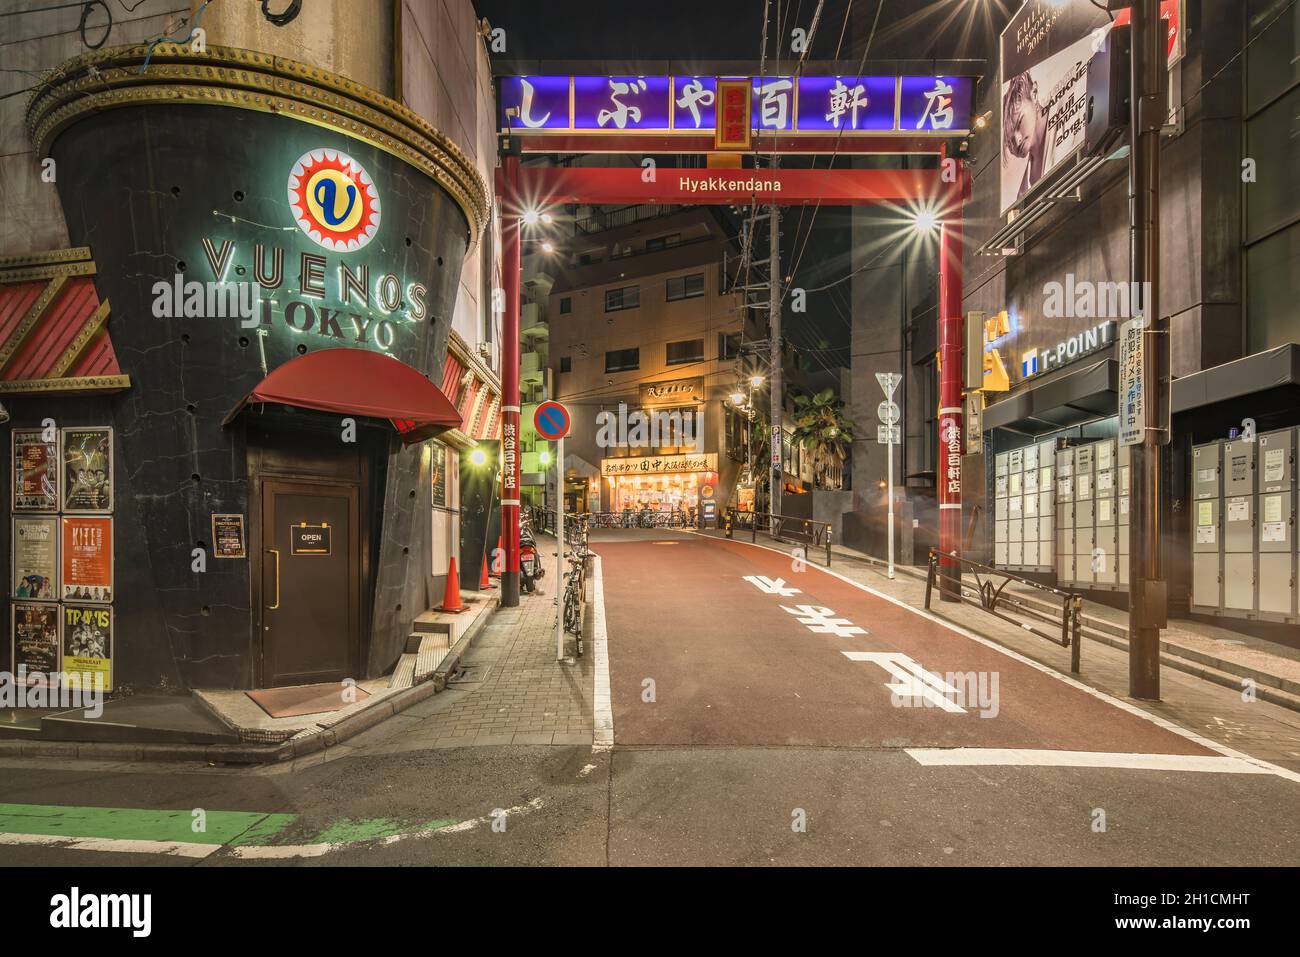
(357, 382)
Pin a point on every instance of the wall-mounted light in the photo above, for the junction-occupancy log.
(544, 457)
(478, 457)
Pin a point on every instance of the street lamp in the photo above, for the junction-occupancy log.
(925, 221)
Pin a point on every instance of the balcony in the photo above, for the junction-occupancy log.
(538, 277)
(531, 369)
(532, 322)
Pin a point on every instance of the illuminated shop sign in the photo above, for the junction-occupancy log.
(689, 104)
(658, 464)
(1039, 360)
(326, 283)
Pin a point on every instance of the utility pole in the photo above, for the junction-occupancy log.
(1147, 594)
(774, 344)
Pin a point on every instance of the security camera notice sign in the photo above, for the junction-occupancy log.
(307, 539)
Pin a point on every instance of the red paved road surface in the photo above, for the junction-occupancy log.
(732, 668)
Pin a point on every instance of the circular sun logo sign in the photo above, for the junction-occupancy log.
(334, 200)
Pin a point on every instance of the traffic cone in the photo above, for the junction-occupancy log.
(451, 594)
(485, 583)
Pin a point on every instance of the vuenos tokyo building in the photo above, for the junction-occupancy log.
(238, 391)
(1046, 471)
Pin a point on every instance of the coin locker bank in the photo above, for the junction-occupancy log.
(1244, 558)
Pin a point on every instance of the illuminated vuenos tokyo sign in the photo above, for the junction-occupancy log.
(335, 203)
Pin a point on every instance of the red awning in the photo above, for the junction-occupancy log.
(357, 382)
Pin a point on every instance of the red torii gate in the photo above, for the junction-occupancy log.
(942, 191)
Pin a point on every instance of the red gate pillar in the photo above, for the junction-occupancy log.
(508, 201)
(951, 433)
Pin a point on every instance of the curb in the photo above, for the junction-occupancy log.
(296, 747)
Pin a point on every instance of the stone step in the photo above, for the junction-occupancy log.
(433, 649)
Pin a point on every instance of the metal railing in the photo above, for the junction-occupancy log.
(640, 518)
(802, 531)
(990, 596)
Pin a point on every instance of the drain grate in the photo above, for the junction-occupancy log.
(470, 674)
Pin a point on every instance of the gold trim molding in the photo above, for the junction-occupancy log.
(247, 79)
(77, 384)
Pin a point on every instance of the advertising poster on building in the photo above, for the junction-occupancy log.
(35, 475)
(35, 631)
(35, 557)
(88, 645)
(228, 536)
(1045, 52)
(87, 545)
(88, 470)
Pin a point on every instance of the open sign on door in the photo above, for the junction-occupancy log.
(307, 539)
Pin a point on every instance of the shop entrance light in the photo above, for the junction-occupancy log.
(478, 457)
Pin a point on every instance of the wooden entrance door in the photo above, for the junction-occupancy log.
(310, 582)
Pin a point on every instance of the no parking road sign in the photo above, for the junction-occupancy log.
(552, 421)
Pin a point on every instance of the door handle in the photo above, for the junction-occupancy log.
(277, 579)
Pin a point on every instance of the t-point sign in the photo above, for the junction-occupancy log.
(552, 421)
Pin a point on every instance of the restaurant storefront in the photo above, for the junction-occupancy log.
(222, 395)
(676, 483)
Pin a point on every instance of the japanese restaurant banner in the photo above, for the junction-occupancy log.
(654, 464)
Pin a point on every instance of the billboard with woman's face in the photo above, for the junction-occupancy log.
(1045, 52)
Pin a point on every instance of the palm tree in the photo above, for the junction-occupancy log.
(821, 427)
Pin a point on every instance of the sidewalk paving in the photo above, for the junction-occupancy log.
(511, 690)
(1259, 728)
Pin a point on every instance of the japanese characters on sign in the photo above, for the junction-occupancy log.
(1132, 400)
(950, 435)
(708, 105)
(510, 459)
(651, 464)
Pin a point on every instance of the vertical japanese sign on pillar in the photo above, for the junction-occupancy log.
(951, 430)
(508, 197)
(888, 433)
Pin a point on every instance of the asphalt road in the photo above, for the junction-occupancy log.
(761, 743)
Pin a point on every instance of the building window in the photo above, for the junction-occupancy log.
(566, 363)
(689, 350)
(622, 360)
(686, 287)
(728, 345)
(627, 297)
(662, 242)
(566, 305)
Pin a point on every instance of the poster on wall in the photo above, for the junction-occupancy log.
(87, 545)
(35, 635)
(88, 469)
(35, 471)
(1045, 52)
(35, 565)
(88, 645)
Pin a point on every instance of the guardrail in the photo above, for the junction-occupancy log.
(802, 531)
(990, 596)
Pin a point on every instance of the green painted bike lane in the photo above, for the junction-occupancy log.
(191, 826)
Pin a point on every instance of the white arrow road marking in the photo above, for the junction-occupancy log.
(823, 621)
(772, 586)
(911, 680)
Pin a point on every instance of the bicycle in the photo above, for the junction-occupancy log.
(574, 598)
